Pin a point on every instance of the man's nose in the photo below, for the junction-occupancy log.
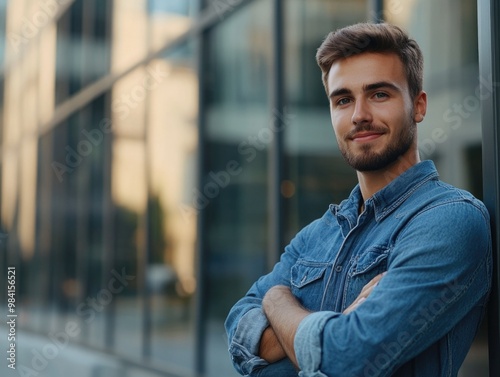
(362, 113)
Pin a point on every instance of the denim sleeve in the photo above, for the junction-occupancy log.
(439, 272)
(245, 342)
(307, 343)
(246, 321)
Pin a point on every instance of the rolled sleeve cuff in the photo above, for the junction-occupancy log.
(244, 347)
(307, 343)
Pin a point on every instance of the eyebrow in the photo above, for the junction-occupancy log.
(380, 85)
(366, 88)
(339, 92)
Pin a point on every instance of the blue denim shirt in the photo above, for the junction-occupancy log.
(434, 242)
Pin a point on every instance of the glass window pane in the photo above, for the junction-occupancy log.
(83, 48)
(172, 144)
(233, 193)
(128, 170)
(316, 174)
(90, 208)
(168, 20)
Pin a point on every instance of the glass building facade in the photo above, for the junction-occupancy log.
(157, 155)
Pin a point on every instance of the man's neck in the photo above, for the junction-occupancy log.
(371, 182)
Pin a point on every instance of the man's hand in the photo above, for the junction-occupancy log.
(365, 292)
(270, 348)
(284, 313)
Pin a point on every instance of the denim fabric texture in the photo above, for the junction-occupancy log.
(434, 242)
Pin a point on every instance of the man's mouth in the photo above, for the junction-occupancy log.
(366, 136)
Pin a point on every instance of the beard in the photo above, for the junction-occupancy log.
(369, 160)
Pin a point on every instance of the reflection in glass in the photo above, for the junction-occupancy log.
(154, 115)
(129, 207)
(233, 193)
(314, 167)
(172, 139)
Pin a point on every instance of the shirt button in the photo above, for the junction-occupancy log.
(338, 268)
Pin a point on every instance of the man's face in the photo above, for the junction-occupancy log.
(372, 114)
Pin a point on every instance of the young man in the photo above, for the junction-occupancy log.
(394, 280)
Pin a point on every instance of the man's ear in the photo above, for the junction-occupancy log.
(420, 107)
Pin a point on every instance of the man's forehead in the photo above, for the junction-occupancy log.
(365, 69)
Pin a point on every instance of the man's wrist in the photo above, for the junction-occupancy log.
(284, 313)
(270, 348)
(274, 296)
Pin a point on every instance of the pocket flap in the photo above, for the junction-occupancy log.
(305, 272)
(370, 259)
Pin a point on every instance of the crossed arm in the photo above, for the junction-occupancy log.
(284, 314)
(426, 269)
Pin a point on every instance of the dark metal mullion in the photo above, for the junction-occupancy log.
(84, 211)
(489, 69)
(108, 209)
(147, 322)
(108, 241)
(275, 177)
(144, 257)
(201, 251)
(84, 207)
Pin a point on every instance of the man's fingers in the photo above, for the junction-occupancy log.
(365, 292)
(371, 284)
(354, 305)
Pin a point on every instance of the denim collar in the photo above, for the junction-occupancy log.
(391, 196)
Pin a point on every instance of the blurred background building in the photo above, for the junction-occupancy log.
(157, 155)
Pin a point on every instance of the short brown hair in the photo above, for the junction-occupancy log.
(369, 37)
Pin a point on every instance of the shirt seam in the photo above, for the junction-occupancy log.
(387, 210)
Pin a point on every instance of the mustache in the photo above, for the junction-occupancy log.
(365, 128)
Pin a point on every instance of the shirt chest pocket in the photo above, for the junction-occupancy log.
(307, 280)
(364, 267)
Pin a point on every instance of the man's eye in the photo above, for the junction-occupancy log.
(343, 101)
(380, 95)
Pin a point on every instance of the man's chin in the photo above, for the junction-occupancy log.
(372, 164)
